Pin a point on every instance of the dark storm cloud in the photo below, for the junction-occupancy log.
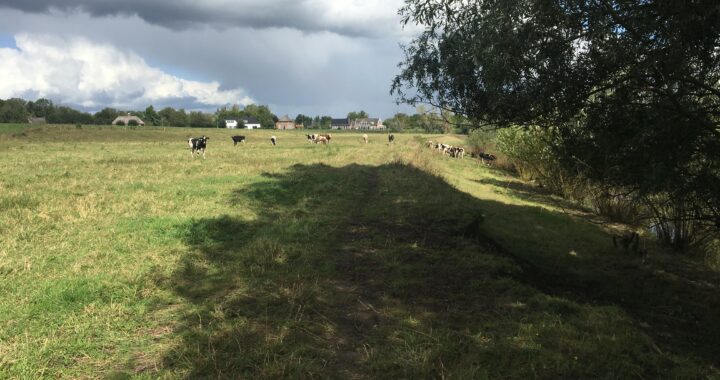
(370, 18)
(293, 71)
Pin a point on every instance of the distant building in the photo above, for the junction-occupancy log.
(367, 123)
(251, 122)
(340, 123)
(287, 123)
(231, 124)
(37, 120)
(126, 119)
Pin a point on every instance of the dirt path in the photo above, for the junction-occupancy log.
(359, 314)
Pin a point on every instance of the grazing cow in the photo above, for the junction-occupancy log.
(311, 138)
(198, 144)
(365, 138)
(326, 136)
(487, 157)
(391, 139)
(321, 140)
(457, 152)
(444, 148)
(238, 139)
(273, 140)
(429, 144)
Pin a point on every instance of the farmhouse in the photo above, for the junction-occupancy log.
(245, 122)
(367, 123)
(340, 123)
(124, 120)
(37, 120)
(251, 122)
(287, 123)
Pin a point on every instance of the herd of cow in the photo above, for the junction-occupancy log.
(199, 145)
(459, 152)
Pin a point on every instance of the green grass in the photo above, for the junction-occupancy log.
(120, 257)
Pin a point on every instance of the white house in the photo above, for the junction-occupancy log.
(231, 124)
(251, 122)
(367, 123)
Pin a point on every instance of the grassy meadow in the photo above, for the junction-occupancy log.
(122, 257)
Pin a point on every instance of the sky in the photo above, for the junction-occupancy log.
(316, 57)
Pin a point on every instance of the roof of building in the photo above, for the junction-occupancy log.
(250, 120)
(126, 119)
(372, 120)
(344, 121)
(285, 119)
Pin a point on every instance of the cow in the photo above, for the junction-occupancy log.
(457, 152)
(238, 139)
(365, 138)
(444, 148)
(198, 144)
(326, 136)
(321, 140)
(429, 144)
(487, 157)
(391, 139)
(311, 138)
(273, 140)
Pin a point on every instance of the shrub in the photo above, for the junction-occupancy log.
(120, 123)
(481, 141)
(133, 123)
(616, 205)
(676, 223)
(530, 152)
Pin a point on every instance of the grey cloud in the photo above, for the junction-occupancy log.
(181, 15)
(293, 72)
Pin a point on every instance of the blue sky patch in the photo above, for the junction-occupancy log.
(7, 41)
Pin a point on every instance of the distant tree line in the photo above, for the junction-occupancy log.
(18, 110)
(426, 121)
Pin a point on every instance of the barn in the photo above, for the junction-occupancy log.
(124, 120)
(285, 123)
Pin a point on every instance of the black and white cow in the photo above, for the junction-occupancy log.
(198, 144)
(490, 158)
(456, 152)
(238, 139)
(444, 148)
(273, 140)
(311, 138)
(391, 139)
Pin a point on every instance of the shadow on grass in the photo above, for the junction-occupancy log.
(532, 193)
(366, 272)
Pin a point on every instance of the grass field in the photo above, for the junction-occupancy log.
(121, 257)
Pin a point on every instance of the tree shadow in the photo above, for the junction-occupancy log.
(365, 272)
(537, 194)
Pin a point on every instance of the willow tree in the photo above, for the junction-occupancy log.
(632, 88)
